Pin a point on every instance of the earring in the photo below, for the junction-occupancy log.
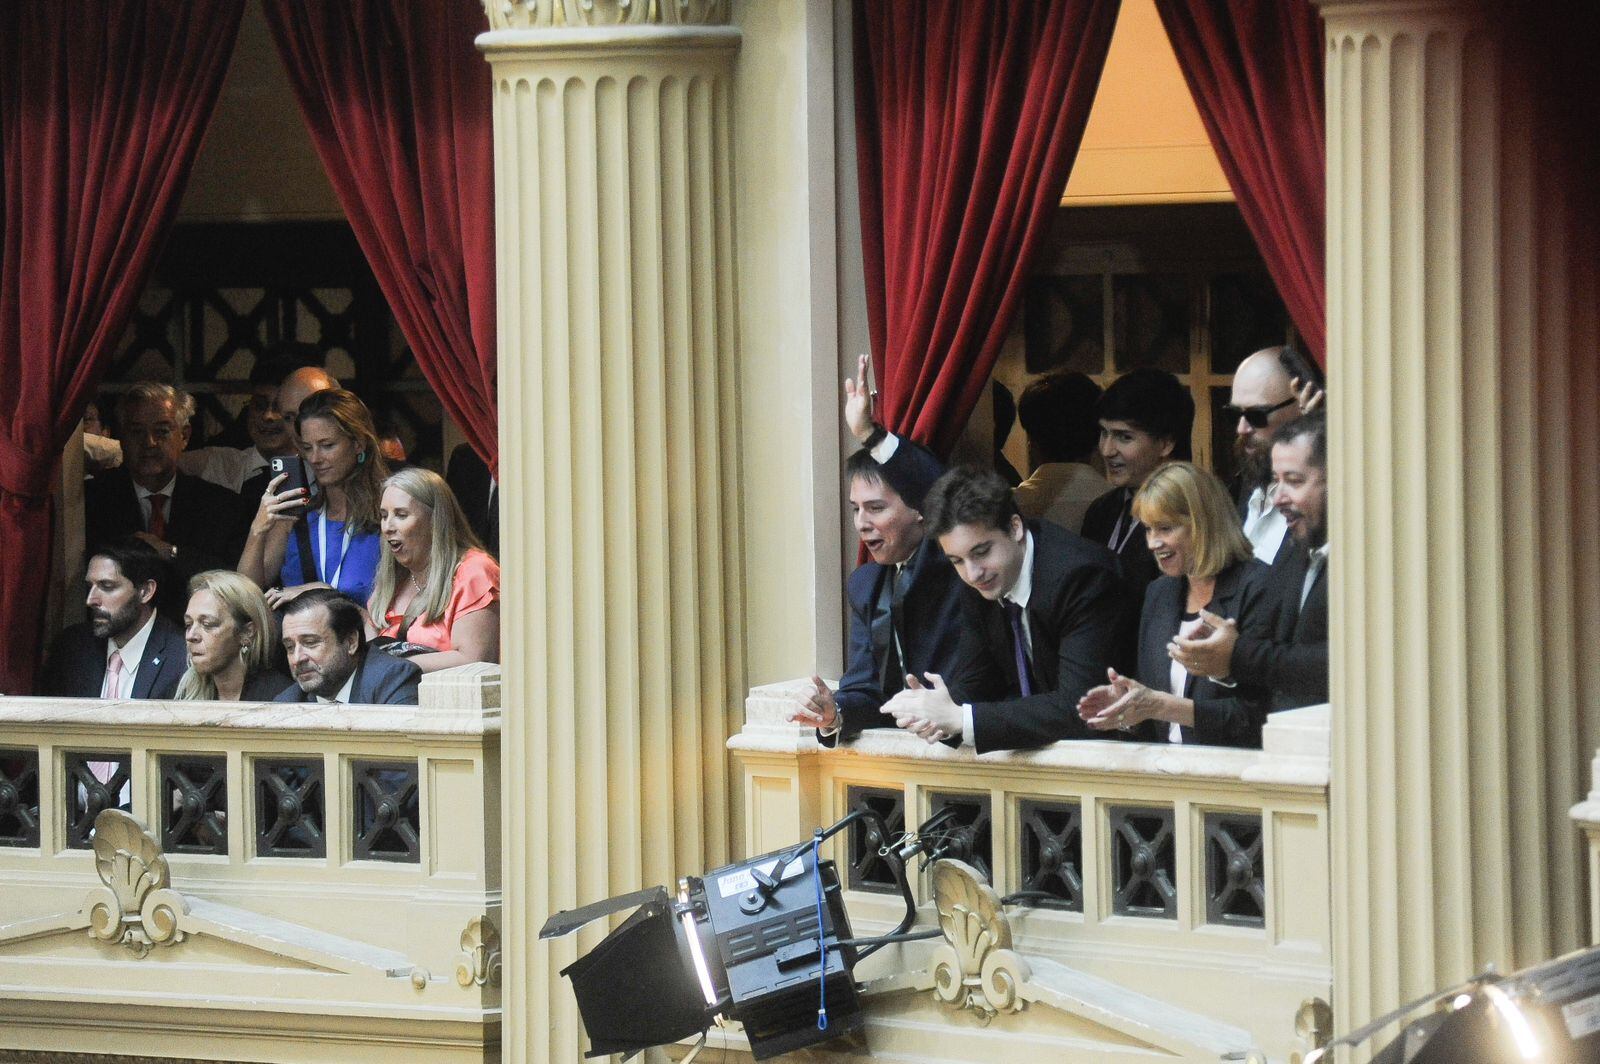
(361, 458)
(244, 653)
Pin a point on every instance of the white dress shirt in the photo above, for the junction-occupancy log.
(144, 501)
(1020, 593)
(1264, 526)
(132, 654)
(227, 467)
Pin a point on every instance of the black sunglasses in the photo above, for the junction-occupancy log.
(1256, 416)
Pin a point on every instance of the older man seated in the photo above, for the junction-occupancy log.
(331, 660)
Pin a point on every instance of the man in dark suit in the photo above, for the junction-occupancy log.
(905, 613)
(1293, 661)
(1270, 388)
(1043, 610)
(332, 661)
(125, 649)
(1146, 418)
(193, 525)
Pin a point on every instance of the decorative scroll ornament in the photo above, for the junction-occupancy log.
(563, 14)
(137, 906)
(976, 967)
(479, 962)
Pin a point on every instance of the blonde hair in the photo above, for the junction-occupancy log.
(1184, 494)
(246, 604)
(451, 538)
(365, 486)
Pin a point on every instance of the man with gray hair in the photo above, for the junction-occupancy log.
(193, 525)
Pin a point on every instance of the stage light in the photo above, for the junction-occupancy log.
(765, 942)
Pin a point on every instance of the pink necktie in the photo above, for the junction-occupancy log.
(158, 515)
(113, 684)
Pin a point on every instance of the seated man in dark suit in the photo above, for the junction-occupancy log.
(478, 493)
(1293, 662)
(125, 649)
(905, 613)
(1146, 418)
(193, 525)
(331, 659)
(1043, 610)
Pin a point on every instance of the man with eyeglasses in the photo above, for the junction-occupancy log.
(1270, 388)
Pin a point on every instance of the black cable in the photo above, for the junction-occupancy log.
(894, 936)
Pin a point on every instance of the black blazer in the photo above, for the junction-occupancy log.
(77, 664)
(381, 680)
(1290, 660)
(1223, 716)
(266, 686)
(930, 618)
(1076, 610)
(1138, 566)
(205, 522)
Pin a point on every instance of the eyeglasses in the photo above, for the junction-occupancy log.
(1256, 416)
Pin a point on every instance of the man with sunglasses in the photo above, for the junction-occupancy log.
(1270, 388)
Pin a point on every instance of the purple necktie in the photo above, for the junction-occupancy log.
(1019, 643)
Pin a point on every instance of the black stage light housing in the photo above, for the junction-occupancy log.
(741, 941)
(1548, 1014)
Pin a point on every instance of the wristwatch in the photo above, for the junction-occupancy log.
(172, 552)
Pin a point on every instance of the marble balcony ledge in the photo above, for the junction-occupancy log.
(454, 702)
(1294, 751)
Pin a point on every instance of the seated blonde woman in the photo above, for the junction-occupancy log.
(1207, 565)
(437, 589)
(229, 633)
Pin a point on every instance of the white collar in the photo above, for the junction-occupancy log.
(1022, 590)
(344, 692)
(133, 651)
(166, 489)
(1321, 553)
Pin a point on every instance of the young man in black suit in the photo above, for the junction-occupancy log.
(1043, 610)
(1146, 418)
(905, 613)
(125, 649)
(193, 525)
(1293, 662)
(332, 661)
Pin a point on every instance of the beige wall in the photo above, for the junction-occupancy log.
(789, 444)
(1144, 142)
(257, 163)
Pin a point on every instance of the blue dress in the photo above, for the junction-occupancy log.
(355, 572)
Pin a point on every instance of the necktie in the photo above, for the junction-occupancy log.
(1019, 643)
(158, 515)
(891, 674)
(112, 688)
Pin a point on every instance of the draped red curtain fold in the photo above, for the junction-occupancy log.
(968, 118)
(1255, 69)
(397, 100)
(102, 110)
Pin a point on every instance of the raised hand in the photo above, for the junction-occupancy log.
(1307, 396)
(858, 402)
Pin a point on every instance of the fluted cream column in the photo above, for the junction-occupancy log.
(1463, 400)
(620, 620)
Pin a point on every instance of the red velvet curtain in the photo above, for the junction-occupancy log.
(102, 109)
(1255, 68)
(968, 118)
(397, 100)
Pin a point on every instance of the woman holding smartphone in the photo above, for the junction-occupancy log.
(302, 539)
(1206, 565)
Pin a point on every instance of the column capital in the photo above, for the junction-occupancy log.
(592, 14)
(1345, 11)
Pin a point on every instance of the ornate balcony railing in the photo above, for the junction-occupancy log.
(1170, 899)
(253, 882)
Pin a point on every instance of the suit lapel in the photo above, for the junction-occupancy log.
(156, 654)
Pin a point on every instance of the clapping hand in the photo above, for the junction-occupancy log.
(926, 711)
(1209, 651)
(1121, 702)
